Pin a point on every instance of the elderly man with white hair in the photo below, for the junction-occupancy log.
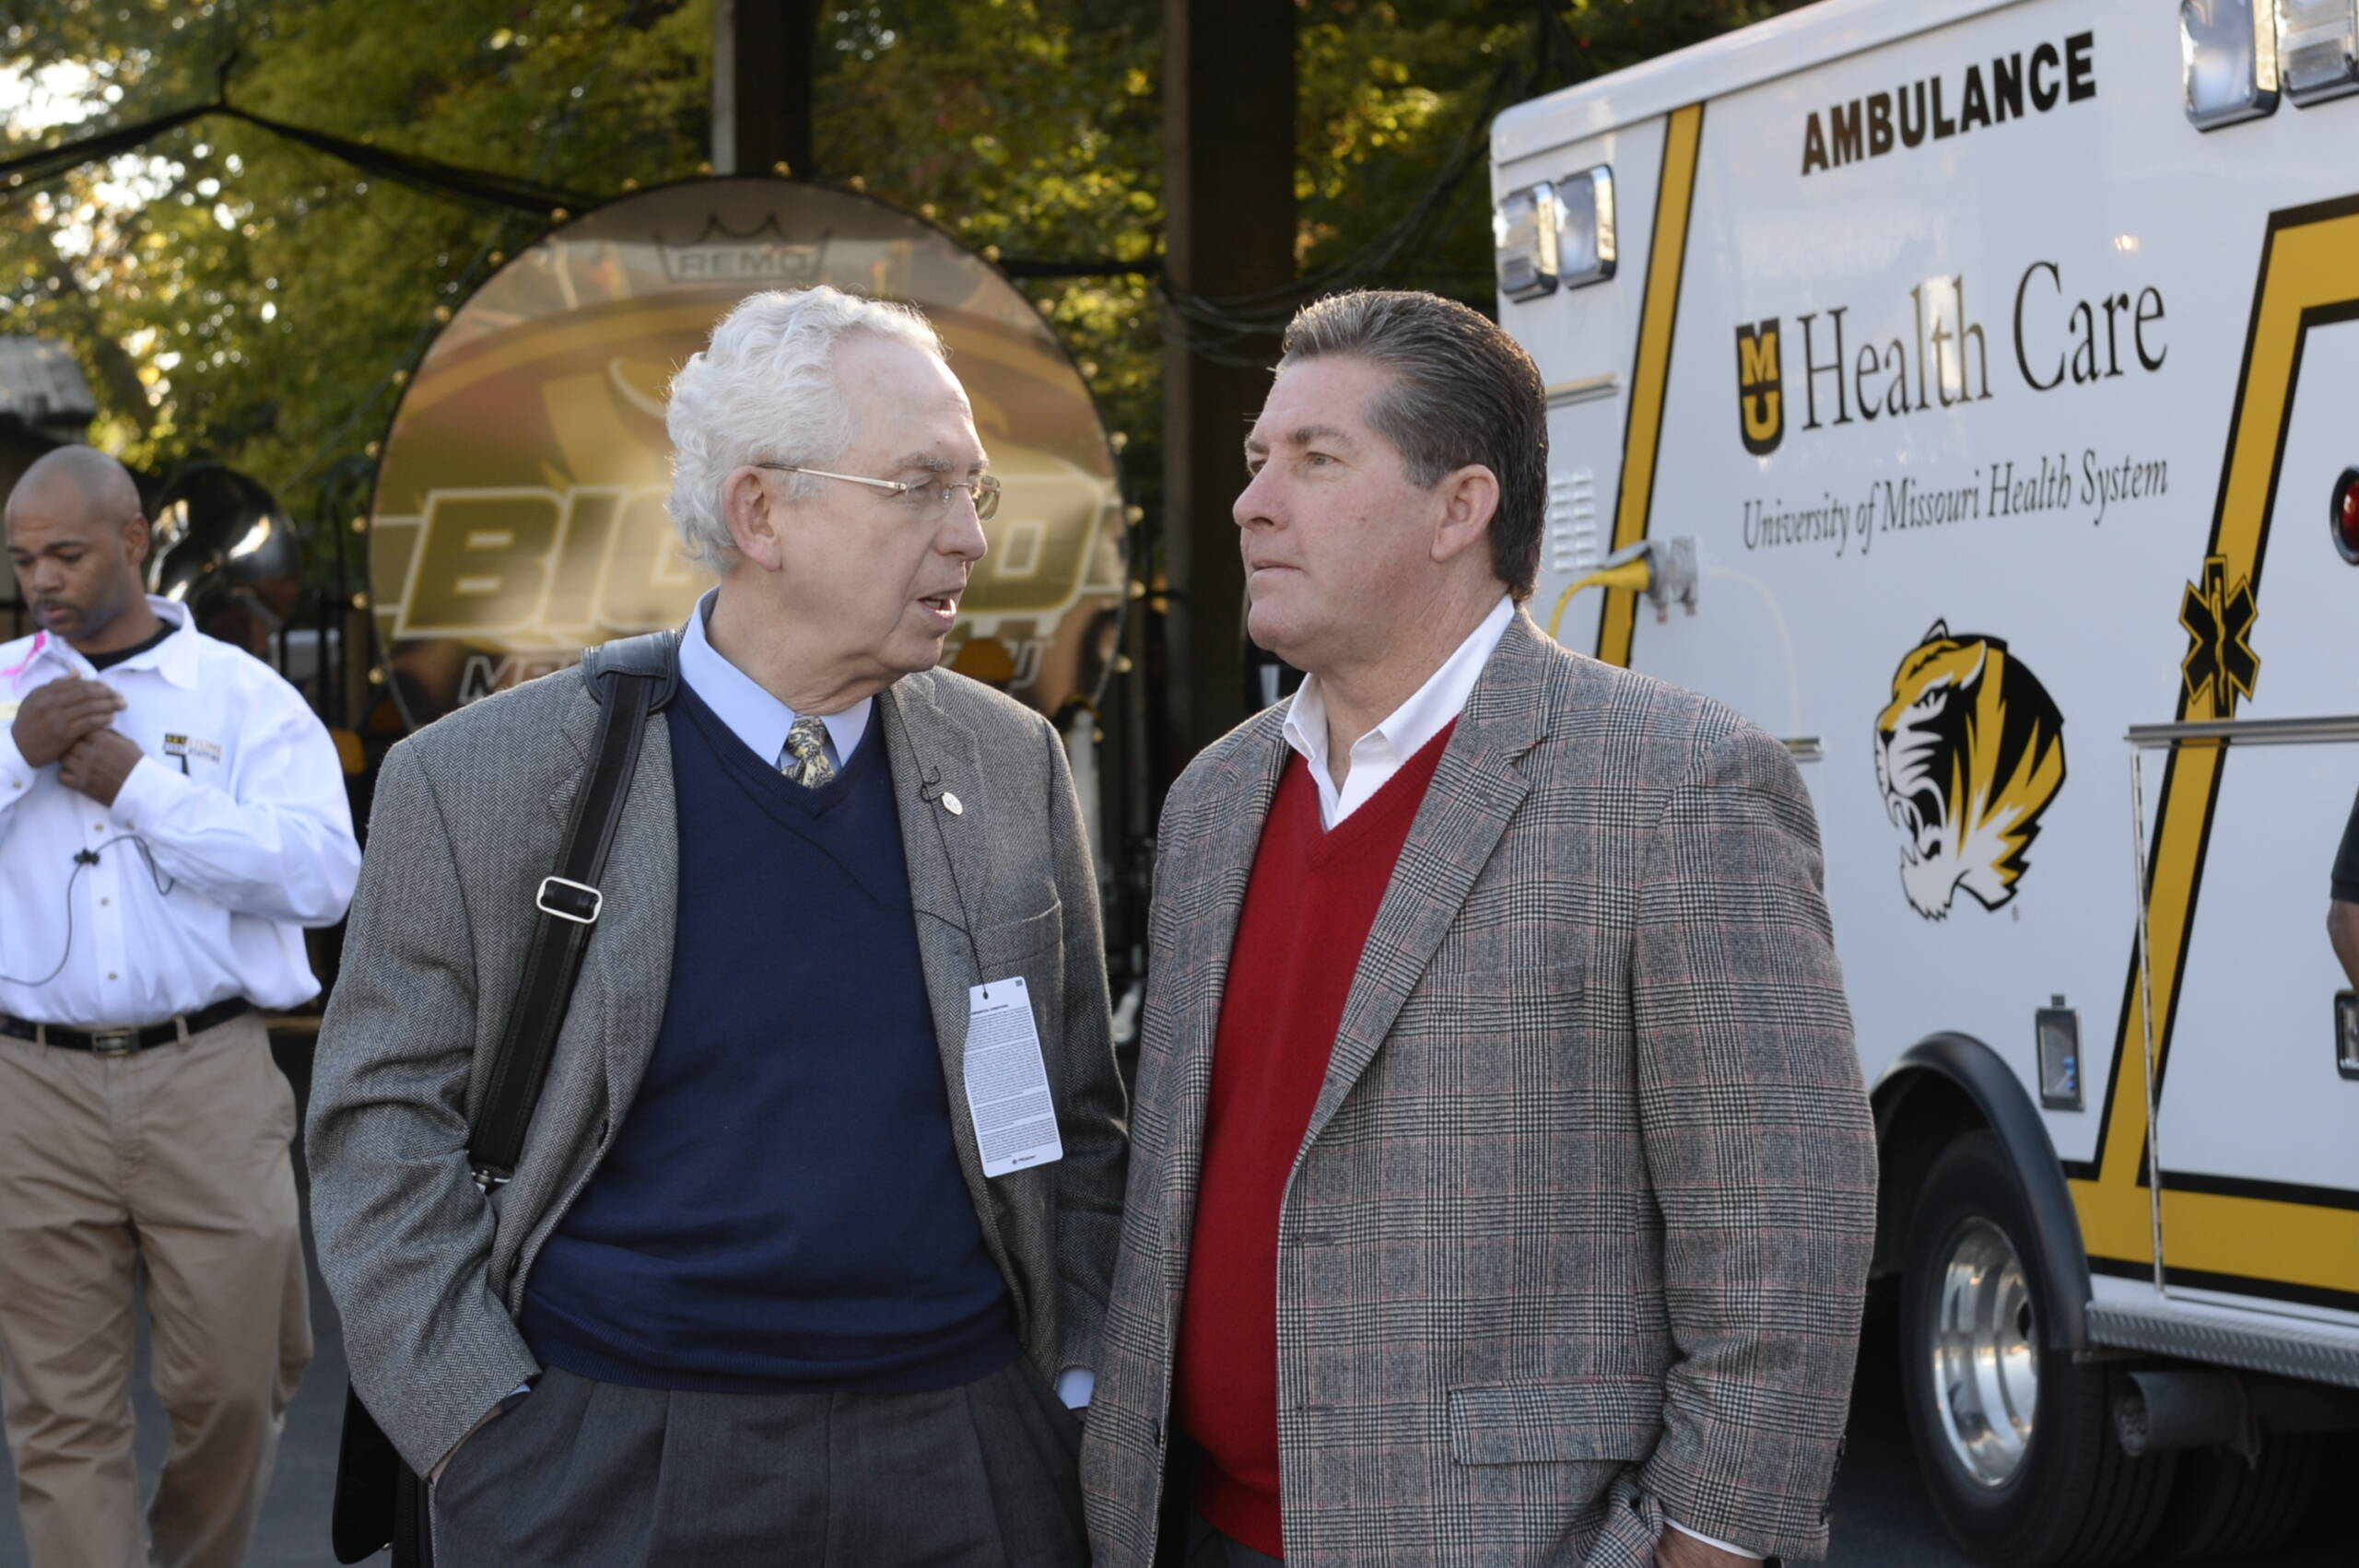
(762, 1287)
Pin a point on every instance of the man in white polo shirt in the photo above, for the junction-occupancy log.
(171, 816)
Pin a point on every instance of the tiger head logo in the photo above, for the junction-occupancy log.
(1970, 753)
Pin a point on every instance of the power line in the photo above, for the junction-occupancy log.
(29, 172)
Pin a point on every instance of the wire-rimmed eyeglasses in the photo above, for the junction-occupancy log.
(985, 489)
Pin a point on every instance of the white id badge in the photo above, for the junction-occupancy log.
(1007, 1082)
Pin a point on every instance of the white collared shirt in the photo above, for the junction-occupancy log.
(752, 715)
(240, 801)
(1378, 755)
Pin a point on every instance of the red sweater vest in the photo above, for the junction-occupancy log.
(1308, 909)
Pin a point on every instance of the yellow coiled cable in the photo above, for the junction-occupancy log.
(1633, 575)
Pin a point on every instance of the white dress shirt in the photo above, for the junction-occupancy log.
(240, 806)
(751, 713)
(1378, 755)
(760, 720)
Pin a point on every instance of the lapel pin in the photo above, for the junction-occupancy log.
(950, 804)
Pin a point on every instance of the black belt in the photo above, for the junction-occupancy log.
(124, 1042)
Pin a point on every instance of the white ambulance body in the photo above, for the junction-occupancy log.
(1959, 392)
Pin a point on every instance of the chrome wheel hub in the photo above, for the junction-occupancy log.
(1986, 1368)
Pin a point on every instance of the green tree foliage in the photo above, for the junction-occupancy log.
(1389, 88)
(264, 295)
(1030, 129)
(237, 296)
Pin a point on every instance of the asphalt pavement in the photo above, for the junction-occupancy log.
(294, 1531)
(1882, 1518)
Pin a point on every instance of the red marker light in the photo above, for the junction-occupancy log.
(2344, 514)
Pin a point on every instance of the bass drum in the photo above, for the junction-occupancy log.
(519, 511)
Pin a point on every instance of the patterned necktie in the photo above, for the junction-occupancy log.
(804, 758)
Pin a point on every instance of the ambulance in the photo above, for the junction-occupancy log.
(1967, 391)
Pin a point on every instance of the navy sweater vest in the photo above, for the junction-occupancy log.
(782, 1208)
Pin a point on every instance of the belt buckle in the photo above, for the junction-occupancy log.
(113, 1042)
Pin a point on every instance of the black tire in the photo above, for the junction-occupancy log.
(2221, 1507)
(2072, 1499)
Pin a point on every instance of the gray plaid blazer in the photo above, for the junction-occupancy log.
(469, 811)
(1578, 1233)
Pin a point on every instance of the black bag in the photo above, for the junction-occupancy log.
(380, 1501)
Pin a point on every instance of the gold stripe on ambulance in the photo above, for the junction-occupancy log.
(2307, 267)
(1650, 379)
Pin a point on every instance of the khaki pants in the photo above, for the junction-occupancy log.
(172, 1164)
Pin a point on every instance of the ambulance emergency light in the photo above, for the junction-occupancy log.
(1554, 233)
(1585, 244)
(1524, 228)
(2342, 513)
(2227, 51)
(2317, 48)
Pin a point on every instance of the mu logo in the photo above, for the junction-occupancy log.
(1970, 753)
(1760, 388)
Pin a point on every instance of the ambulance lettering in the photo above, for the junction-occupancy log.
(1918, 111)
(1927, 351)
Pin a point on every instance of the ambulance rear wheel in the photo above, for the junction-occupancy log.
(2015, 1444)
(2223, 1505)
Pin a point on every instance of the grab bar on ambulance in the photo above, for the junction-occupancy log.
(2248, 732)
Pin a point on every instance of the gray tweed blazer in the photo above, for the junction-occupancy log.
(425, 1271)
(1578, 1233)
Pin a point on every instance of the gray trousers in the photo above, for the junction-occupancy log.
(583, 1474)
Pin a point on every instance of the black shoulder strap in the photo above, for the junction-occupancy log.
(655, 655)
(630, 679)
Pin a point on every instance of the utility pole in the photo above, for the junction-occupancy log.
(763, 54)
(1228, 112)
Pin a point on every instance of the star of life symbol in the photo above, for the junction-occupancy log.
(2220, 663)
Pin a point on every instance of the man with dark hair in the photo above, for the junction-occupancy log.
(171, 817)
(1502, 1183)
(1459, 391)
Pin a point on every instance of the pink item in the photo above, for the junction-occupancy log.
(41, 640)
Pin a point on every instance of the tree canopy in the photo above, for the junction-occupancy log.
(236, 296)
